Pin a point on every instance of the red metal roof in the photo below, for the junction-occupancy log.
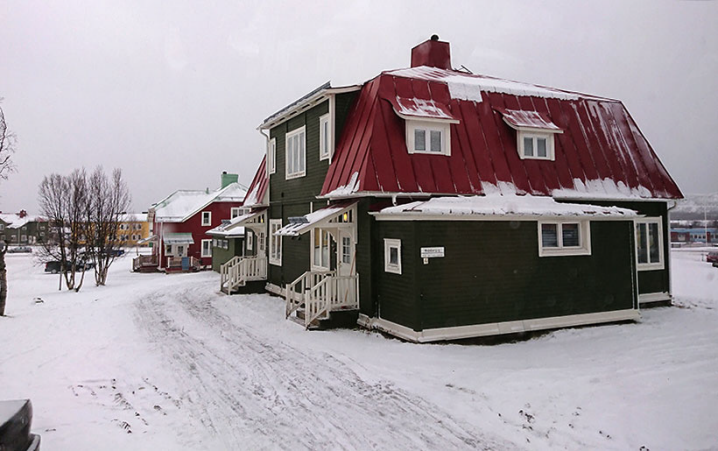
(528, 119)
(600, 154)
(258, 188)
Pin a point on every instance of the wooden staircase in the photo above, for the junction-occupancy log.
(314, 296)
(240, 270)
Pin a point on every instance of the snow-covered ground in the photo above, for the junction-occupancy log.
(165, 362)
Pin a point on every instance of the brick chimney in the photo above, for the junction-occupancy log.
(22, 213)
(433, 53)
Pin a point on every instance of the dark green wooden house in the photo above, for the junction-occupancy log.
(435, 204)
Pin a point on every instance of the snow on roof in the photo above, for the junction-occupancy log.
(302, 224)
(14, 220)
(528, 119)
(346, 190)
(258, 187)
(133, 217)
(180, 205)
(178, 238)
(422, 109)
(224, 231)
(599, 141)
(504, 205)
(463, 86)
(599, 189)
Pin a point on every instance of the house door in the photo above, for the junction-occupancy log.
(180, 250)
(346, 259)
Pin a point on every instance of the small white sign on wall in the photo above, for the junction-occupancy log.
(432, 252)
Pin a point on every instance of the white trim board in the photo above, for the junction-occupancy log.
(406, 216)
(485, 330)
(648, 298)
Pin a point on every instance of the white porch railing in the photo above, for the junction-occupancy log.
(240, 270)
(320, 294)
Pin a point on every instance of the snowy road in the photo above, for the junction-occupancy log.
(166, 362)
(255, 391)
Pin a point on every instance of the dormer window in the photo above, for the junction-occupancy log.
(428, 137)
(538, 146)
(428, 125)
(534, 134)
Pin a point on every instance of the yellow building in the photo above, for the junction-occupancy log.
(132, 228)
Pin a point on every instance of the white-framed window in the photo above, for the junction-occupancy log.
(324, 138)
(225, 244)
(272, 155)
(250, 239)
(296, 153)
(261, 237)
(564, 238)
(2, 227)
(536, 146)
(428, 137)
(275, 242)
(346, 250)
(207, 248)
(649, 244)
(320, 249)
(168, 249)
(23, 238)
(234, 212)
(392, 255)
(206, 218)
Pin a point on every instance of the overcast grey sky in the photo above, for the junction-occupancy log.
(172, 91)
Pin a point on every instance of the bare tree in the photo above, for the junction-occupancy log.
(64, 202)
(108, 199)
(7, 147)
(3, 277)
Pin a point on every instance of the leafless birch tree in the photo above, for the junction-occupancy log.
(64, 202)
(7, 147)
(108, 200)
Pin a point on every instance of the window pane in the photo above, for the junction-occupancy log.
(549, 236)
(541, 147)
(393, 255)
(641, 244)
(569, 234)
(528, 147)
(653, 242)
(419, 139)
(346, 250)
(290, 156)
(435, 136)
(301, 152)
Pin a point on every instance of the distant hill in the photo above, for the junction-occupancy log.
(694, 205)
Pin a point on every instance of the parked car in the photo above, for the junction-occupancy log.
(19, 249)
(53, 267)
(117, 252)
(712, 257)
(15, 424)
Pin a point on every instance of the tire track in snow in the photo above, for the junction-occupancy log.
(255, 394)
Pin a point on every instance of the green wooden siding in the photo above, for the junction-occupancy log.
(657, 280)
(295, 250)
(302, 188)
(342, 104)
(492, 273)
(397, 294)
(297, 197)
(221, 256)
(366, 235)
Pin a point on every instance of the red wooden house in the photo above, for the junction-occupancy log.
(180, 223)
